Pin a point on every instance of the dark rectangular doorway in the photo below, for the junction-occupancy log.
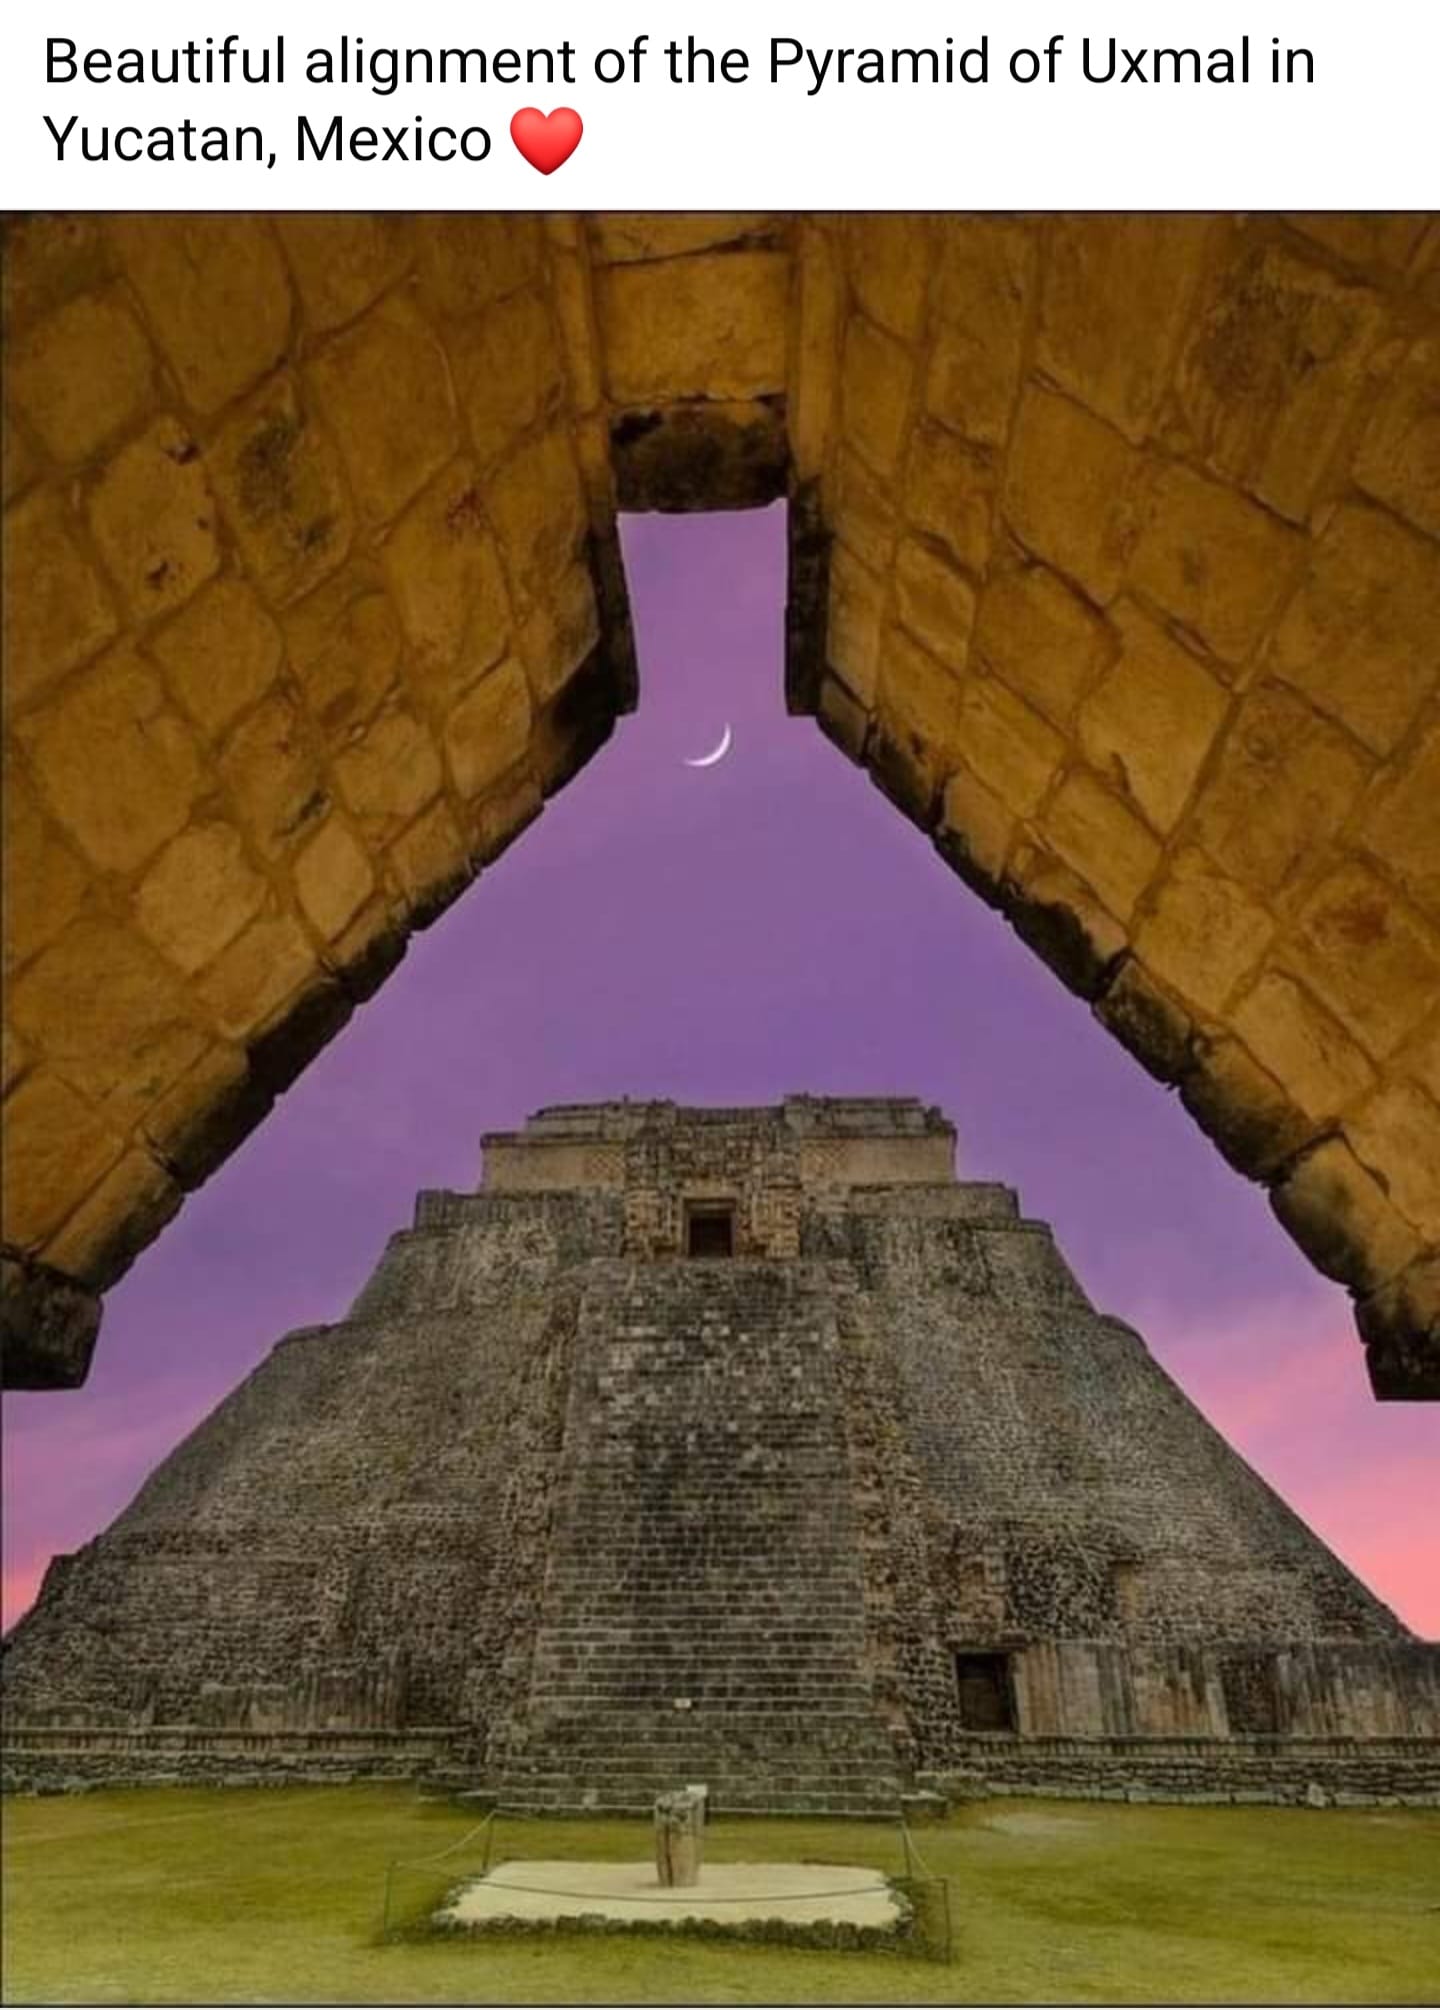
(709, 1228)
(987, 1697)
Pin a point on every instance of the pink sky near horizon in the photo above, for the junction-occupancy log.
(768, 926)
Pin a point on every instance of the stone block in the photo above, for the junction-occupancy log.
(861, 512)
(245, 988)
(919, 707)
(48, 260)
(853, 623)
(54, 1147)
(976, 830)
(538, 507)
(843, 720)
(1400, 1325)
(935, 602)
(431, 864)
(1339, 1215)
(272, 769)
(83, 375)
(389, 773)
(711, 326)
(949, 494)
(1203, 934)
(48, 1325)
(346, 650)
(1106, 843)
(1242, 1109)
(1148, 1022)
(343, 261)
(560, 633)
(114, 1222)
(1041, 639)
(710, 455)
(1398, 461)
(889, 260)
(215, 291)
(1279, 355)
(469, 260)
(333, 877)
(219, 654)
(818, 311)
(1358, 638)
(369, 949)
(198, 895)
(43, 881)
(1010, 747)
(118, 765)
(508, 372)
(1371, 959)
(109, 1015)
(1117, 295)
(20, 461)
(447, 581)
(1069, 491)
(621, 237)
(384, 387)
(572, 304)
(875, 387)
(1216, 562)
(1401, 824)
(57, 610)
(1151, 721)
(196, 1124)
(1061, 918)
(153, 520)
(984, 282)
(282, 490)
(1387, 243)
(1283, 785)
(1302, 1045)
(1397, 1135)
(488, 731)
(14, 1058)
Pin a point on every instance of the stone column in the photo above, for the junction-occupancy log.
(679, 1835)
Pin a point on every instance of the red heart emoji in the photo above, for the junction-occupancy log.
(547, 143)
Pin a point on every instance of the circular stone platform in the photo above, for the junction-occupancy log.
(728, 1894)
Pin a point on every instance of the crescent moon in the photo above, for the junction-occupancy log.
(717, 754)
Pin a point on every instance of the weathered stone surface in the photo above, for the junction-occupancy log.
(219, 654)
(1059, 915)
(153, 520)
(444, 570)
(620, 236)
(1202, 933)
(1151, 721)
(341, 262)
(1303, 1046)
(1242, 1108)
(1359, 636)
(273, 773)
(1280, 353)
(346, 649)
(467, 261)
(198, 894)
(55, 1148)
(538, 506)
(48, 1326)
(711, 326)
(856, 614)
(1401, 826)
(84, 375)
(507, 372)
(118, 764)
(713, 454)
(1092, 830)
(282, 491)
(1041, 639)
(875, 392)
(216, 297)
(1340, 1217)
(1399, 458)
(1283, 784)
(489, 730)
(113, 1224)
(935, 602)
(333, 876)
(389, 774)
(263, 968)
(949, 494)
(1218, 564)
(384, 387)
(1069, 491)
(43, 880)
(1146, 1019)
(679, 1837)
(889, 259)
(1397, 1134)
(982, 288)
(57, 609)
(1374, 963)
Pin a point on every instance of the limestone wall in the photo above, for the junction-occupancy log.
(1114, 560)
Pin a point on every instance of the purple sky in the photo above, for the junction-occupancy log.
(768, 925)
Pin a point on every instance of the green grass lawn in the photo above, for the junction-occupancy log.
(274, 1895)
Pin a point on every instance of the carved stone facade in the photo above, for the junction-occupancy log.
(1114, 560)
(736, 1445)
